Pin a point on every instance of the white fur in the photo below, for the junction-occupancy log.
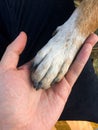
(55, 58)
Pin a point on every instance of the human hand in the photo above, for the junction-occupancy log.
(21, 106)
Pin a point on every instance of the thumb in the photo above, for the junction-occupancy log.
(11, 56)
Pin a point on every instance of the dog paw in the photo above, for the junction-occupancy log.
(49, 66)
(53, 61)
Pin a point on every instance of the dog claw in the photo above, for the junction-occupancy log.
(56, 80)
(37, 85)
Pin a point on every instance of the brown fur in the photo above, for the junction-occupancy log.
(88, 17)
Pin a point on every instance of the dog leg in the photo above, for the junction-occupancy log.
(53, 61)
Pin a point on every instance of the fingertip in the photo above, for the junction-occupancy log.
(92, 39)
(20, 42)
(23, 34)
(22, 37)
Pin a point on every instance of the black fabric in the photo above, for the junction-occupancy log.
(39, 18)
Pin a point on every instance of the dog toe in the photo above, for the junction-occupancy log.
(62, 72)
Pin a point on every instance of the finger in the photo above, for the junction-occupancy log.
(81, 59)
(11, 56)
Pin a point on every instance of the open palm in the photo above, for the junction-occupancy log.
(21, 106)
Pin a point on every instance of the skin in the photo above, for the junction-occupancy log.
(21, 106)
